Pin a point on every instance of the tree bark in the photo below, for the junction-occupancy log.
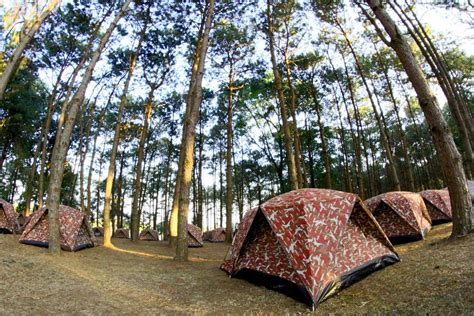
(450, 158)
(193, 103)
(116, 141)
(292, 173)
(135, 217)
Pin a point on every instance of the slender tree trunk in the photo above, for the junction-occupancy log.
(293, 175)
(229, 198)
(324, 147)
(356, 136)
(63, 138)
(200, 169)
(135, 217)
(28, 32)
(401, 132)
(383, 135)
(193, 103)
(299, 162)
(116, 141)
(450, 158)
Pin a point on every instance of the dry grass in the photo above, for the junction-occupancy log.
(435, 276)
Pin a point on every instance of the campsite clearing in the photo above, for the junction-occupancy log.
(435, 276)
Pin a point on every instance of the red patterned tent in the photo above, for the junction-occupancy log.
(309, 244)
(149, 234)
(438, 204)
(122, 233)
(194, 236)
(75, 231)
(215, 235)
(8, 218)
(98, 231)
(402, 215)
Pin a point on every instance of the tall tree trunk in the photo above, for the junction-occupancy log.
(357, 135)
(116, 141)
(293, 175)
(28, 32)
(199, 180)
(403, 139)
(193, 103)
(383, 135)
(449, 155)
(63, 138)
(299, 162)
(324, 147)
(135, 217)
(42, 143)
(229, 198)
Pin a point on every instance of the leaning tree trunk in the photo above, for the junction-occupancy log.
(193, 102)
(63, 138)
(450, 158)
(25, 39)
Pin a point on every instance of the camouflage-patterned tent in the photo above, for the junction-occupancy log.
(98, 231)
(194, 236)
(309, 244)
(438, 204)
(76, 234)
(215, 235)
(149, 234)
(8, 218)
(402, 215)
(122, 233)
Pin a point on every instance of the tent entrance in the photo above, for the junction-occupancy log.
(264, 262)
(396, 227)
(437, 217)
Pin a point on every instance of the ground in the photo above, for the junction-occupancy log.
(435, 276)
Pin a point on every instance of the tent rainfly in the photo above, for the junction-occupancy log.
(402, 215)
(149, 234)
(76, 234)
(122, 233)
(309, 244)
(215, 235)
(438, 204)
(194, 236)
(8, 218)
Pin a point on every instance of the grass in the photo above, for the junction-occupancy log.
(435, 276)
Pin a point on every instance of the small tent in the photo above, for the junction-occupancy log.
(149, 234)
(8, 218)
(308, 244)
(438, 204)
(402, 215)
(76, 234)
(122, 233)
(194, 236)
(98, 231)
(215, 235)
